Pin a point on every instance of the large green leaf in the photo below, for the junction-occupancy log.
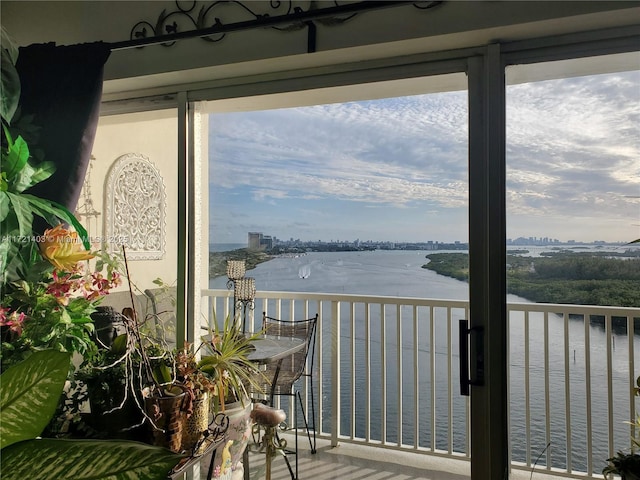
(4, 207)
(42, 207)
(41, 172)
(9, 45)
(56, 459)
(10, 83)
(15, 158)
(9, 78)
(29, 394)
(24, 213)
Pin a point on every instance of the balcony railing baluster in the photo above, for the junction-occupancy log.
(367, 365)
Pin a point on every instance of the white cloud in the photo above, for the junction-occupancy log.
(573, 151)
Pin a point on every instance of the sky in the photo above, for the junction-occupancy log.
(396, 169)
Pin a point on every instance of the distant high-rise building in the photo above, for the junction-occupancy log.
(254, 240)
(266, 242)
(258, 241)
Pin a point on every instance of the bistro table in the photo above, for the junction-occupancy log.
(272, 349)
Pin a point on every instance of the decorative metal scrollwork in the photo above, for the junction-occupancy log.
(241, 17)
(268, 440)
(135, 200)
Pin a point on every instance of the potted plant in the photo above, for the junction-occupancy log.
(40, 378)
(150, 382)
(225, 361)
(46, 302)
(201, 388)
(627, 464)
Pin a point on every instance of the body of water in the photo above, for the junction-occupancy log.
(225, 247)
(399, 273)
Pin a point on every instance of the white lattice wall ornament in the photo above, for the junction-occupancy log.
(135, 200)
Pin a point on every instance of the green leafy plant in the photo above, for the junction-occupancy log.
(34, 386)
(52, 307)
(627, 463)
(225, 362)
(19, 172)
(31, 315)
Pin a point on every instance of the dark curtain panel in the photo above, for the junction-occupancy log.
(61, 88)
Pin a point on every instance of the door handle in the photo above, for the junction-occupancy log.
(464, 332)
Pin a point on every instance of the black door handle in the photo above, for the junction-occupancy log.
(463, 341)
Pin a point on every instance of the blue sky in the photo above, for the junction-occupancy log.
(396, 169)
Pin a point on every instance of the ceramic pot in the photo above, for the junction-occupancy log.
(105, 319)
(229, 455)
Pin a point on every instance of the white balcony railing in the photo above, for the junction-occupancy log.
(387, 375)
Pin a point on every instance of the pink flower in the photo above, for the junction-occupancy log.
(13, 321)
(100, 284)
(61, 288)
(97, 285)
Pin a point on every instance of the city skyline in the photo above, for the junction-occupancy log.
(396, 169)
(257, 240)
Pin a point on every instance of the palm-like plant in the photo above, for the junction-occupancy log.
(226, 362)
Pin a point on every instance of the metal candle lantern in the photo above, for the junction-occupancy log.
(244, 289)
(244, 292)
(235, 271)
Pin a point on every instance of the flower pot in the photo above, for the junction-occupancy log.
(167, 413)
(108, 415)
(196, 423)
(105, 319)
(117, 423)
(228, 455)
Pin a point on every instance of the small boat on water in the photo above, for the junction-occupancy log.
(304, 271)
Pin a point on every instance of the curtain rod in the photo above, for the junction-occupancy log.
(263, 21)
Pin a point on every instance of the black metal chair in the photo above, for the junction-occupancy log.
(283, 376)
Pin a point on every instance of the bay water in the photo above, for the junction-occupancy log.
(400, 274)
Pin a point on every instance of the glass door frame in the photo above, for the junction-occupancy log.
(485, 67)
(487, 227)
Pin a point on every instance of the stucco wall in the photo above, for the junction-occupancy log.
(153, 135)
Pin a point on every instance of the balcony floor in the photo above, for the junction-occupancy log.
(358, 462)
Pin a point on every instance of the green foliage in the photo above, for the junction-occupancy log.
(582, 267)
(218, 260)
(86, 460)
(33, 386)
(225, 362)
(9, 80)
(29, 393)
(52, 311)
(563, 277)
(455, 265)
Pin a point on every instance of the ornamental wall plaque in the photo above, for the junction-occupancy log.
(135, 200)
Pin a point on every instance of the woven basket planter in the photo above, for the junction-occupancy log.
(168, 414)
(196, 423)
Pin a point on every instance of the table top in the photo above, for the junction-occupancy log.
(272, 348)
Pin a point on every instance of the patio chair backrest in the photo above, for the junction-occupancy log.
(295, 365)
